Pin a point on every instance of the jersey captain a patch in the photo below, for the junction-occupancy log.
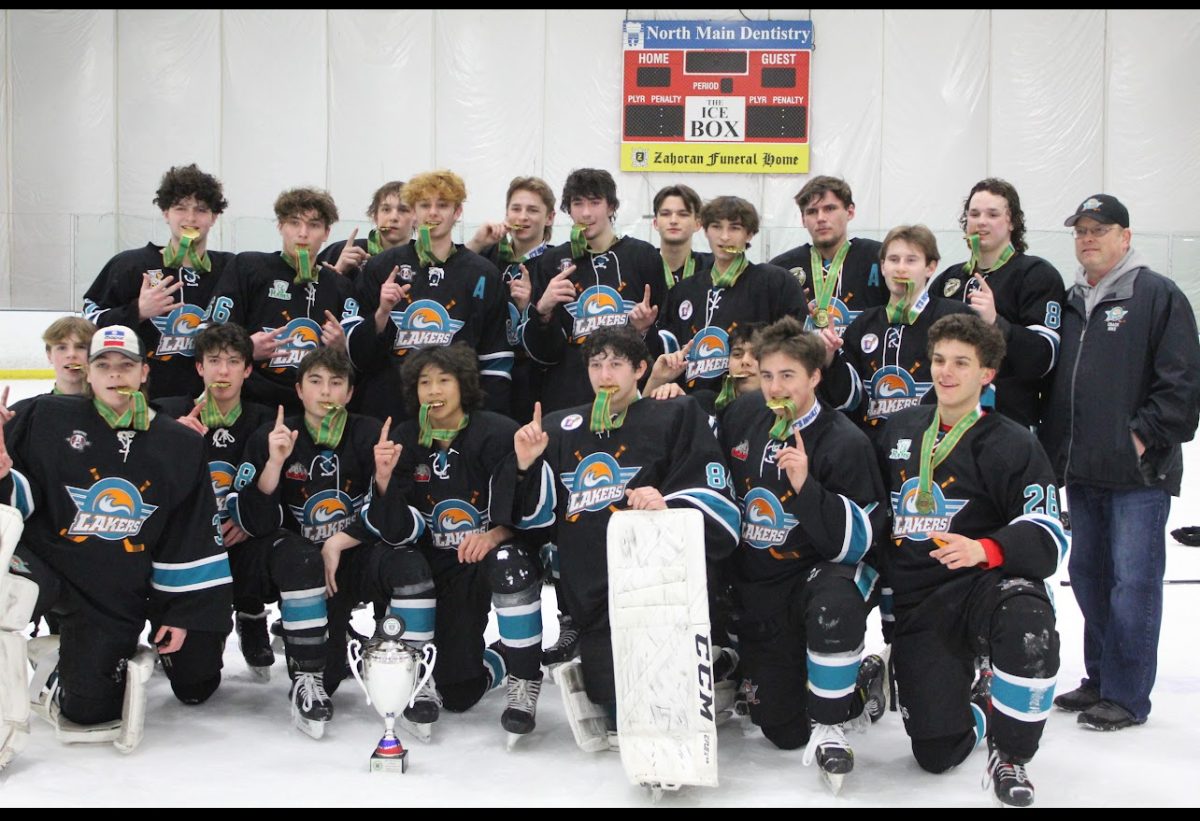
(596, 483)
(111, 509)
(911, 524)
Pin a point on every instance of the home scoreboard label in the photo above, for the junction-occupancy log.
(704, 95)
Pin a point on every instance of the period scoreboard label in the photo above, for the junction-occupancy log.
(719, 96)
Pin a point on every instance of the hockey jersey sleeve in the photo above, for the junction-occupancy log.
(231, 302)
(367, 348)
(390, 516)
(842, 514)
(841, 385)
(545, 342)
(1024, 487)
(493, 351)
(257, 513)
(1032, 342)
(117, 301)
(190, 580)
(15, 489)
(699, 478)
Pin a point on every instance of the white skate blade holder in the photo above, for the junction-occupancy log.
(662, 649)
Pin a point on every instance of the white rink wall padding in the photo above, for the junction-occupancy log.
(911, 107)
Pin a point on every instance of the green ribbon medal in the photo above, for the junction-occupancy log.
(729, 277)
(825, 281)
(907, 311)
(783, 424)
(727, 394)
(186, 253)
(972, 264)
(602, 420)
(333, 425)
(374, 242)
(429, 433)
(579, 244)
(302, 265)
(210, 413)
(136, 416)
(425, 253)
(930, 460)
(689, 268)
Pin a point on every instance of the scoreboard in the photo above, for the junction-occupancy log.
(716, 96)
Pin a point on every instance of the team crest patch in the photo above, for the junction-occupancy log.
(800, 274)
(326, 513)
(297, 472)
(177, 330)
(406, 273)
(869, 343)
(598, 307)
(909, 523)
(112, 509)
(741, 451)
(765, 524)
(901, 451)
(300, 337)
(78, 440)
(279, 290)
(951, 287)
(893, 389)
(596, 483)
(1115, 317)
(685, 310)
(156, 276)
(222, 475)
(422, 473)
(424, 323)
(709, 356)
(571, 422)
(452, 521)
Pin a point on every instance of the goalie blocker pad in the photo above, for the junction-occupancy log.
(662, 650)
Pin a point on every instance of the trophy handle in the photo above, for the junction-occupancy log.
(354, 658)
(428, 657)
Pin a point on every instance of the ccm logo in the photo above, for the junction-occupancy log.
(704, 675)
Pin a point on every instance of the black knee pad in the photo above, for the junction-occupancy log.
(463, 695)
(196, 692)
(405, 567)
(296, 563)
(511, 570)
(790, 736)
(936, 755)
(1024, 639)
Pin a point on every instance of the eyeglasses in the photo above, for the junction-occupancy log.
(1097, 232)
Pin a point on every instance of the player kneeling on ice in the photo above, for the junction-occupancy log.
(577, 466)
(306, 482)
(121, 526)
(449, 458)
(975, 534)
(812, 500)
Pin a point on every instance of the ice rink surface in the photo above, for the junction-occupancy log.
(239, 748)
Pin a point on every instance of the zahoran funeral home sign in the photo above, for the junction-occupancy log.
(705, 95)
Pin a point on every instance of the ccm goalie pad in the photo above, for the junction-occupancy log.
(18, 596)
(662, 652)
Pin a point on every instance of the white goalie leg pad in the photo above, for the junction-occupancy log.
(588, 720)
(18, 595)
(662, 649)
(133, 711)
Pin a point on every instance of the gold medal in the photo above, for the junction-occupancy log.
(925, 504)
(821, 318)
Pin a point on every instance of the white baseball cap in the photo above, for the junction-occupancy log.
(116, 338)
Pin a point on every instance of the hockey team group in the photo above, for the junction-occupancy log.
(436, 430)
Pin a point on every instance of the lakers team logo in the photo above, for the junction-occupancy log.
(423, 323)
(178, 330)
(111, 509)
(452, 521)
(302, 335)
(222, 475)
(911, 524)
(709, 357)
(765, 524)
(598, 482)
(598, 307)
(326, 513)
(893, 389)
(839, 312)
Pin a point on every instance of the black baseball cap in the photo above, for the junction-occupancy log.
(1103, 208)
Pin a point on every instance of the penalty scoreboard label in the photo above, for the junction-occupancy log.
(703, 95)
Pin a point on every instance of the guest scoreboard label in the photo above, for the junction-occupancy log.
(718, 96)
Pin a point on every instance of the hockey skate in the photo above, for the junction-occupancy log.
(518, 718)
(311, 706)
(255, 643)
(828, 747)
(567, 645)
(1010, 782)
(725, 684)
(874, 683)
(589, 721)
(418, 719)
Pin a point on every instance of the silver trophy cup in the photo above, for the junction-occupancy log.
(390, 669)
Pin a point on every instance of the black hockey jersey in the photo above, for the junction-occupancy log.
(258, 291)
(321, 490)
(581, 479)
(882, 366)
(224, 446)
(697, 310)
(835, 516)
(607, 286)
(460, 301)
(1029, 293)
(168, 340)
(997, 483)
(449, 490)
(127, 517)
(700, 261)
(860, 286)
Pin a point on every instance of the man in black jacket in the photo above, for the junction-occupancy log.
(1114, 436)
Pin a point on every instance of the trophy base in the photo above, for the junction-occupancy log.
(390, 763)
